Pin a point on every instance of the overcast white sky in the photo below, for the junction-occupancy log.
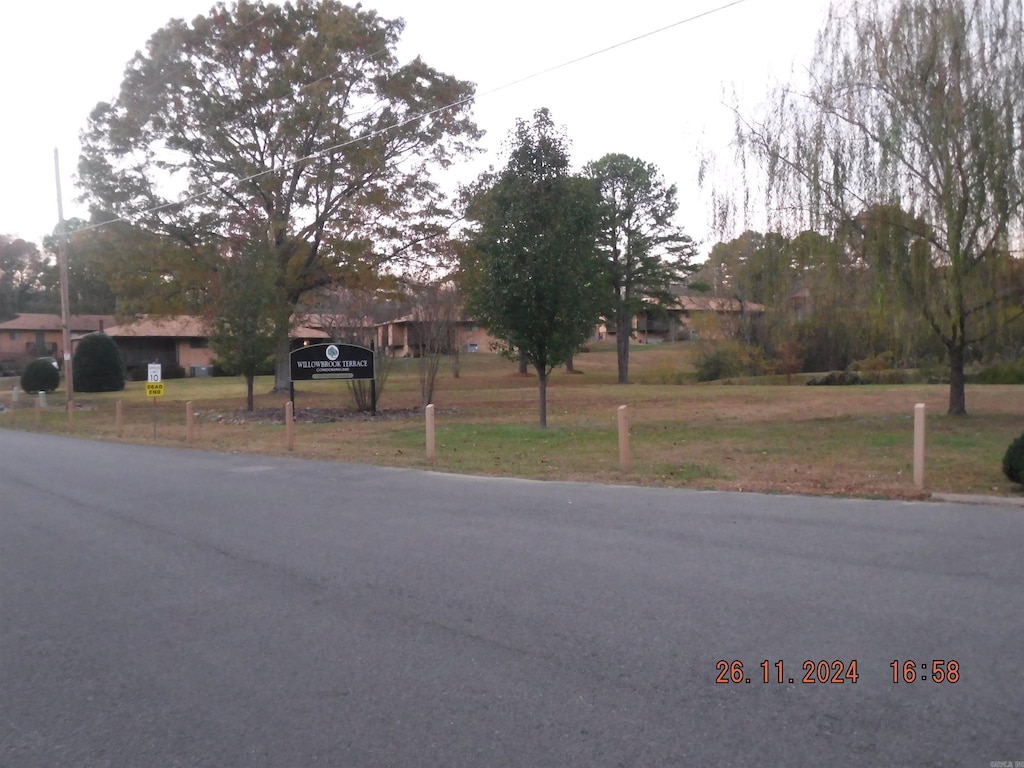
(659, 99)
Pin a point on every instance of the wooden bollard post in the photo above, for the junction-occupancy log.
(289, 425)
(189, 423)
(624, 452)
(429, 410)
(919, 411)
(119, 418)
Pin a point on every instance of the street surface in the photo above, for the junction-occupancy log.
(164, 607)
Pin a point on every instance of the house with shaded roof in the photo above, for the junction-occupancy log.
(181, 341)
(690, 314)
(30, 335)
(178, 340)
(404, 336)
(694, 314)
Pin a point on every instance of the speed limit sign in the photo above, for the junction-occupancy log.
(154, 373)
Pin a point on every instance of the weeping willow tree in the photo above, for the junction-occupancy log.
(917, 107)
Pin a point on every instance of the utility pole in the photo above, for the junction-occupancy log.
(65, 308)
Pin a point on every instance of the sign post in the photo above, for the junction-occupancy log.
(154, 388)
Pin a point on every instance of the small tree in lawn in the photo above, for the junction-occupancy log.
(536, 277)
(248, 326)
(435, 317)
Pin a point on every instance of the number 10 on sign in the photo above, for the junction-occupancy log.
(154, 388)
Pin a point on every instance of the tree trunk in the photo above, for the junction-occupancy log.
(524, 364)
(570, 366)
(249, 379)
(282, 368)
(957, 396)
(542, 389)
(623, 327)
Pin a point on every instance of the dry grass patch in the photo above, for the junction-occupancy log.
(854, 441)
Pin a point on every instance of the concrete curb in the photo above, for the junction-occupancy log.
(963, 498)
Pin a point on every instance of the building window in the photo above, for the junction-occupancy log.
(13, 335)
(199, 343)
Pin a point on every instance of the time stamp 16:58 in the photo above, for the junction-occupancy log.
(838, 672)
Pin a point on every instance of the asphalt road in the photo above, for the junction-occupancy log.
(163, 607)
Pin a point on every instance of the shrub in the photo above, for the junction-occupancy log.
(171, 371)
(40, 375)
(97, 365)
(933, 372)
(726, 359)
(12, 366)
(1001, 373)
(837, 379)
(1013, 461)
(264, 370)
(889, 377)
(665, 374)
(882, 362)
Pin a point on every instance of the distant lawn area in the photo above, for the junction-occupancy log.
(849, 441)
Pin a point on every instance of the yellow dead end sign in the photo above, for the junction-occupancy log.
(154, 381)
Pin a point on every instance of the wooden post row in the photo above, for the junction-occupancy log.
(624, 450)
(289, 425)
(919, 413)
(429, 410)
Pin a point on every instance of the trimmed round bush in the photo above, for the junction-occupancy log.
(97, 365)
(40, 375)
(1013, 461)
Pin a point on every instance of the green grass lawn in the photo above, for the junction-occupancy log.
(855, 441)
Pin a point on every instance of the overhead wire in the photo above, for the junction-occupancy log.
(414, 118)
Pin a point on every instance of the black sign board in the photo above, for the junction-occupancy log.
(331, 361)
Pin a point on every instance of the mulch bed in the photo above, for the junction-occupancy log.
(312, 415)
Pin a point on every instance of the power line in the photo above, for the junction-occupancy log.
(417, 117)
(613, 47)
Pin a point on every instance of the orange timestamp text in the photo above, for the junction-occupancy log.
(827, 672)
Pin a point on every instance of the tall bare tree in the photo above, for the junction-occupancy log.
(435, 327)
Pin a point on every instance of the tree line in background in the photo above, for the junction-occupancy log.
(906, 146)
(30, 279)
(832, 302)
(303, 151)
